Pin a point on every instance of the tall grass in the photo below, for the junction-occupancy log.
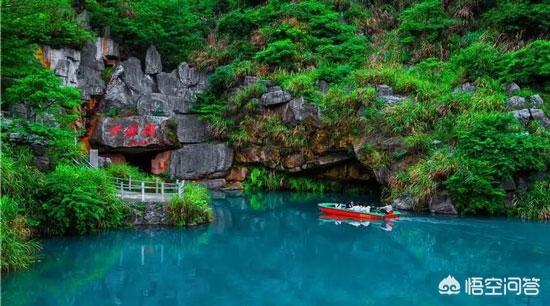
(195, 207)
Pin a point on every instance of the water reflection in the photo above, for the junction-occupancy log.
(276, 249)
(385, 225)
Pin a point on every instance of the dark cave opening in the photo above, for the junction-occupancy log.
(141, 160)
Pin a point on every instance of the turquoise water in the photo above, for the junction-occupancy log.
(273, 249)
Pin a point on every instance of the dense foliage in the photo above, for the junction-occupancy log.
(195, 207)
(87, 205)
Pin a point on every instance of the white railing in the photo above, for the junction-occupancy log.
(157, 189)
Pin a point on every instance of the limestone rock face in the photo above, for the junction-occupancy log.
(192, 130)
(135, 132)
(169, 84)
(158, 104)
(153, 64)
(134, 77)
(92, 56)
(274, 96)
(64, 62)
(203, 160)
(191, 76)
(90, 82)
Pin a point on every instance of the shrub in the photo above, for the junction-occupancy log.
(80, 200)
(223, 78)
(195, 207)
(425, 24)
(280, 53)
(478, 60)
(491, 148)
(535, 202)
(529, 65)
(236, 24)
(527, 17)
(18, 249)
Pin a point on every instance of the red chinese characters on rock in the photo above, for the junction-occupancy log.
(149, 130)
(131, 131)
(115, 129)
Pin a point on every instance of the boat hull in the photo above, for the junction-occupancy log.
(329, 209)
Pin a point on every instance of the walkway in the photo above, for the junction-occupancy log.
(147, 191)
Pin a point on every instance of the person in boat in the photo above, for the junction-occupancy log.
(350, 204)
(388, 209)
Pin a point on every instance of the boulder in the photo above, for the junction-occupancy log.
(155, 104)
(249, 80)
(466, 87)
(275, 96)
(90, 82)
(203, 160)
(512, 87)
(136, 132)
(117, 95)
(441, 203)
(297, 111)
(403, 203)
(153, 64)
(385, 93)
(190, 76)
(384, 90)
(169, 84)
(134, 78)
(527, 114)
(516, 102)
(536, 101)
(538, 115)
(237, 173)
(192, 130)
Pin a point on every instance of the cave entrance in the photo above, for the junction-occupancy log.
(141, 160)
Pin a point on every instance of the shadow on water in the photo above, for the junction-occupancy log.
(275, 248)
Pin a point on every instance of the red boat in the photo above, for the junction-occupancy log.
(358, 212)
